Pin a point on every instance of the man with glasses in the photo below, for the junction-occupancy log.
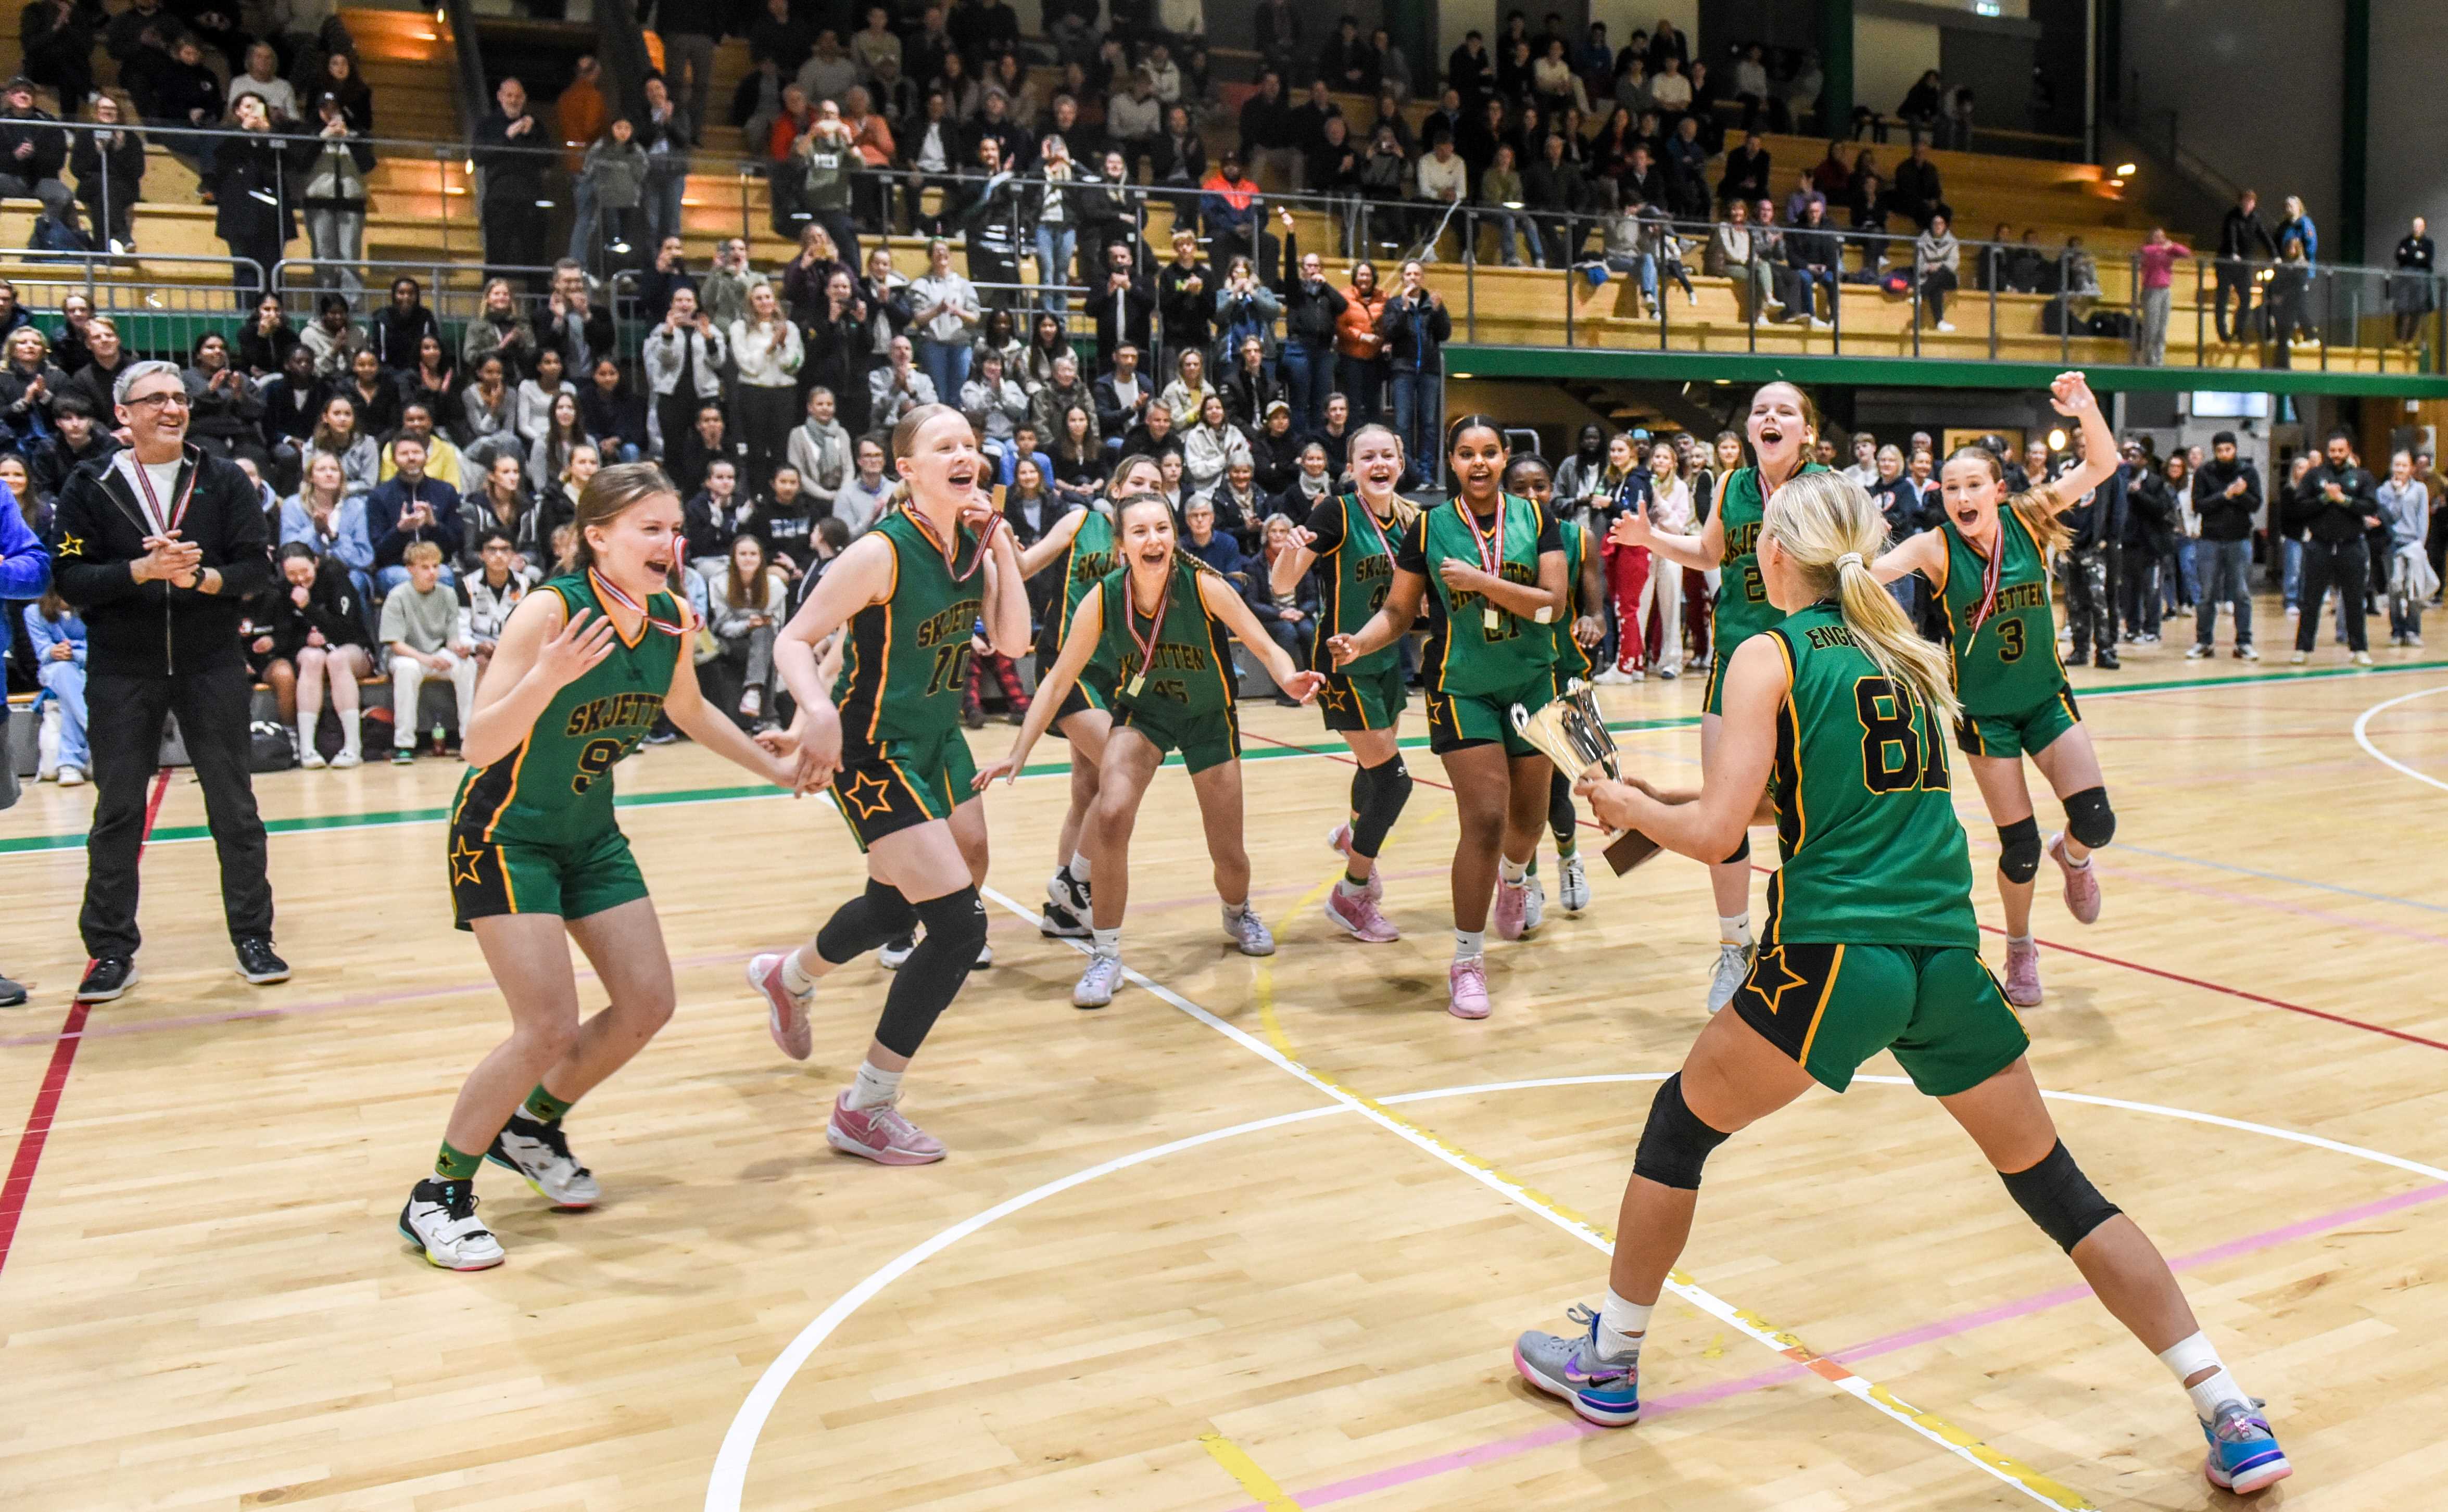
(160, 548)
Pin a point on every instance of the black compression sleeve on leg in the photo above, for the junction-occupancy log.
(878, 914)
(2057, 1196)
(931, 978)
(2019, 849)
(1388, 788)
(2088, 819)
(1742, 852)
(1563, 822)
(1674, 1144)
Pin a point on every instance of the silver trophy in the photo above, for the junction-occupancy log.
(1571, 733)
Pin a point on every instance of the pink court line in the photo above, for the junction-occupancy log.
(1575, 1428)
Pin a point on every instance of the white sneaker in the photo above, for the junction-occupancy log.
(1666, 674)
(2298, 658)
(1097, 984)
(346, 759)
(1733, 964)
(1575, 892)
(786, 1012)
(894, 951)
(71, 776)
(2249, 653)
(986, 955)
(1248, 932)
(2363, 658)
(1611, 677)
(1534, 903)
(440, 1220)
(540, 1154)
(310, 758)
(2197, 651)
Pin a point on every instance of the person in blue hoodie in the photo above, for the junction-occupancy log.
(57, 635)
(25, 572)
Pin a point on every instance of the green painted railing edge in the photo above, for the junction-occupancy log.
(1470, 361)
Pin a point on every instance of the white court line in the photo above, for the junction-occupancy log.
(729, 1480)
(2362, 736)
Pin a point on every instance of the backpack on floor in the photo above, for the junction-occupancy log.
(270, 747)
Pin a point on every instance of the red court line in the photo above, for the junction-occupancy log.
(20, 1184)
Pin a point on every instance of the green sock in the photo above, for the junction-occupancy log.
(544, 1108)
(451, 1165)
(1567, 847)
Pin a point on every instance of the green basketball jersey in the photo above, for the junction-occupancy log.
(1359, 552)
(907, 659)
(1466, 652)
(2008, 662)
(1190, 670)
(1093, 554)
(556, 789)
(1742, 609)
(1572, 657)
(1873, 854)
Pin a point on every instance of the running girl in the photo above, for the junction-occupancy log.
(1577, 634)
(1489, 567)
(889, 740)
(1082, 539)
(1364, 703)
(1835, 717)
(584, 666)
(1158, 625)
(1989, 563)
(1784, 426)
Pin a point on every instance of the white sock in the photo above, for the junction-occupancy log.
(305, 736)
(348, 732)
(872, 1088)
(1232, 912)
(2065, 854)
(796, 980)
(1109, 942)
(1345, 887)
(1735, 929)
(1621, 1324)
(1512, 871)
(2022, 940)
(1078, 867)
(1469, 944)
(2190, 1356)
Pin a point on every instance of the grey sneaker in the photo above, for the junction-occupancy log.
(1534, 905)
(1097, 984)
(1575, 892)
(1733, 964)
(540, 1154)
(1248, 932)
(1607, 1392)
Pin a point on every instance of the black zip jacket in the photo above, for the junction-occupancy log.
(153, 629)
(2329, 521)
(2224, 519)
(2243, 237)
(1309, 314)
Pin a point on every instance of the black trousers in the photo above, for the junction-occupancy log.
(125, 720)
(2236, 278)
(2344, 565)
(514, 232)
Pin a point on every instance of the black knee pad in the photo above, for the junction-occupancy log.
(874, 916)
(1674, 1144)
(1385, 787)
(2059, 1198)
(2018, 850)
(2088, 819)
(931, 978)
(1742, 852)
(1561, 820)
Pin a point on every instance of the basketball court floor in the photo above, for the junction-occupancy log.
(1260, 1234)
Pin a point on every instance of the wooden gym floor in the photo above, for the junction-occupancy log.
(1260, 1234)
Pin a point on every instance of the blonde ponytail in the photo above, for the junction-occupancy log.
(1832, 531)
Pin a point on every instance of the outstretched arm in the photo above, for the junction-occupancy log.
(1700, 553)
(2070, 396)
(1048, 548)
(1225, 604)
(1924, 553)
(1087, 628)
(1706, 827)
(860, 576)
(686, 706)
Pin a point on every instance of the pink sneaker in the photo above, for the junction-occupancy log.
(1512, 908)
(1340, 842)
(1357, 913)
(2022, 974)
(786, 1017)
(881, 1134)
(2081, 884)
(1469, 979)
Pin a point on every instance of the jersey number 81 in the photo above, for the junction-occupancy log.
(1893, 757)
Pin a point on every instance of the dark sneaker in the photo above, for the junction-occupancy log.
(12, 995)
(257, 964)
(109, 976)
(2106, 661)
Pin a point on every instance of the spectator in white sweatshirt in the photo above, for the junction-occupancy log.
(425, 632)
(767, 354)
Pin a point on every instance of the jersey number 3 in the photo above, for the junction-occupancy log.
(1893, 757)
(2010, 641)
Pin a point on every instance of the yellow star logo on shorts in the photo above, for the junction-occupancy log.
(464, 859)
(869, 793)
(1771, 978)
(1335, 697)
(71, 545)
(1440, 708)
